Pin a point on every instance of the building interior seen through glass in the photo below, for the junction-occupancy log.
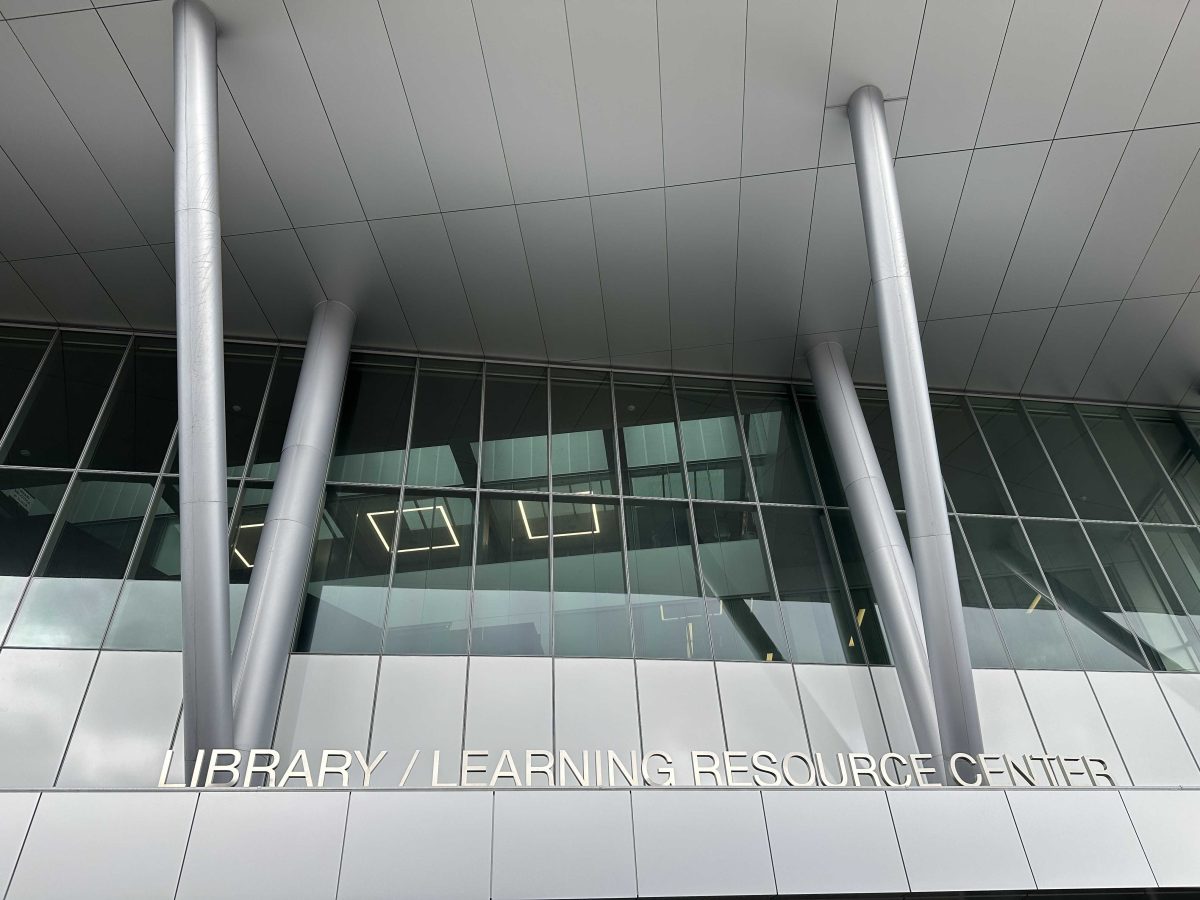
(518, 510)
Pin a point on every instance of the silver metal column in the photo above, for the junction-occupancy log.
(277, 584)
(912, 422)
(203, 497)
(884, 551)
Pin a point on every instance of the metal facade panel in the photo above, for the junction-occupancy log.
(1173, 99)
(956, 59)
(584, 847)
(940, 832)
(138, 285)
(132, 703)
(1172, 265)
(16, 812)
(348, 52)
(770, 358)
(1170, 375)
(20, 304)
(510, 705)
(427, 844)
(680, 711)
(1079, 839)
(760, 706)
(1127, 349)
(833, 842)
(950, 346)
(702, 66)
(419, 706)
(701, 842)
(1183, 696)
(437, 49)
(595, 706)
(836, 146)
(1068, 347)
(873, 44)
(68, 289)
(40, 692)
(788, 44)
(119, 845)
(283, 281)
(1166, 828)
(1069, 720)
(299, 832)
(836, 276)
(702, 243)
(1144, 728)
(1007, 723)
(841, 711)
(1007, 350)
(896, 720)
(27, 229)
(528, 57)
(243, 316)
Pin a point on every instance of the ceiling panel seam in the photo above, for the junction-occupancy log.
(737, 238)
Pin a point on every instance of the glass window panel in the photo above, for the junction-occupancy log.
(141, 415)
(21, 349)
(511, 612)
(649, 444)
(1178, 448)
(776, 445)
(28, 501)
(591, 614)
(967, 469)
(1028, 618)
(871, 640)
(1137, 470)
(1088, 481)
(1095, 621)
(276, 412)
(149, 609)
(431, 586)
(1171, 640)
(445, 429)
(1023, 464)
(514, 429)
(581, 449)
(247, 368)
(669, 620)
(348, 580)
(708, 419)
(814, 603)
(373, 427)
(983, 636)
(1179, 551)
(818, 443)
(879, 423)
(244, 535)
(743, 614)
(55, 423)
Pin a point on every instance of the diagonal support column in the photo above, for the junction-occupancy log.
(912, 422)
(203, 498)
(276, 589)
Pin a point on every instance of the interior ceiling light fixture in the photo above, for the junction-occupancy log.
(236, 551)
(436, 508)
(595, 529)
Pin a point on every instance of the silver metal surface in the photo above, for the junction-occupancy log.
(912, 422)
(680, 711)
(40, 695)
(281, 564)
(1165, 822)
(16, 812)
(1146, 732)
(203, 500)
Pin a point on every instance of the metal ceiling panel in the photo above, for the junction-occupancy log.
(868, 362)
(770, 358)
(702, 243)
(491, 257)
(1042, 50)
(787, 66)
(1123, 54)
(714, 360)
(631, 246)
(1068, 347)
(437, 49)
(1128, 347)
(1172, 264)
(265, 71)
(956, 59)
(702, 75)
(417, 253)
(81, 65)
(528, 57)
(1174, 98)
(39, 140)
(281, 277)
(772, 243)
(1068, 196)
(138, 284)
(17, 300)
(561, 248)
(348, 52)
(950, 346)
(873, 43)
(836, 147)
(1173, 374)
(1000, 185)
(14, 8)
(1150, 174)
(836, 276)
(68, 289)
(26, 229)
(242, 314)
(614, 46)
(350, 269)
(1008, 348)
(849, 341)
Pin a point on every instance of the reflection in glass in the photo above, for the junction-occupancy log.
(1178, 448)
(581, 448)
(373, 428)
(743, 614)
(347, 584)
(818, 444)
(879, 423)
(1146, 596)
(1083, 472)
(1028, 618)
(970, 477)
(1023, 464)
(514, 429)
(1145, 484)
(28, 501)
(1179, 551)
(511, 612)
(669, 620)
(648, 441)
(983, 638)
(776, 445)
(141, 415)
(711, 445)
(57, 418)
(276, 412)
(445, 429)
(815, 607)
(244, 535)
(862, 597)
(591, 616)
(431, 585)
(247, 368)
(21, 349)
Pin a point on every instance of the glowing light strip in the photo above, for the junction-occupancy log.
(238, 553)
(542, 537)
(437, 508)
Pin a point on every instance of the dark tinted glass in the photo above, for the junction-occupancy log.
(276, 412)
(818, 444)
(246, 371)
(711, 443)
(776, 445)
(649, 445)
(1083, 472)
(514, 429)
(1027, 472)
(967, 469)
(445, 430)
(1179, 551)
(1178, 448)
(511, 611)
(21, 349)
(582, 454)
(141, 415)
(1145, 484)
(983, 636)
(373, 427)
(591, 614)
(871, 641)
(28, 501)
(879, 423)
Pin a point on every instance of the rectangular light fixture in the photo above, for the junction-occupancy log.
(436, 508)
(595, 529)
(237, 552)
